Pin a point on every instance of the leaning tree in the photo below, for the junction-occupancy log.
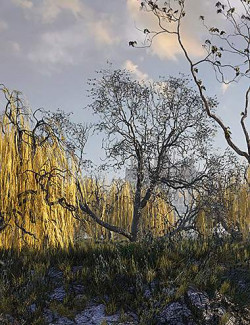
(227, 52)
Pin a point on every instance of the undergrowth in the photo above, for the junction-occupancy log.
(119, 273)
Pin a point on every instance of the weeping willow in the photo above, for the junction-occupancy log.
(29, 219)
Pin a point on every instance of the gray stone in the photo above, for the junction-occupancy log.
(147, 294)
(49, 316)
(55, 273)
(95, 315)
(175, 313)
(32, 308)
(169, 291)
(197, 299)
(77, 289)
(63, 321)
(198, 302)
(59, 294)
(231, 321)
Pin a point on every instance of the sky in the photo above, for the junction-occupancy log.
(50, 48)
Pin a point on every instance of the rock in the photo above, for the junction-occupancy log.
(197, 299)
(63, 321)
(32, 308)
(147, 294)
(59, 294)
(49, 316)
(175, 313)
(95, 315)
(198, 302)
(77, 289)
(231, 321)
(55, 275)
(170, 292)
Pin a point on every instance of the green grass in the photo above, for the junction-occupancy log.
(118, 273)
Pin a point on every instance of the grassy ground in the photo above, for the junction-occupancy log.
(118, 275)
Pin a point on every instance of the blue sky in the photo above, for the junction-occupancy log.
(49, 48)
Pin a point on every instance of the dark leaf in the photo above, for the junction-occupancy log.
(231, 11)
(214, 30)
(132, 43)
(214, 49)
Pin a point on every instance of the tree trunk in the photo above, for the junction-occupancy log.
(137, 209)
(135, 222)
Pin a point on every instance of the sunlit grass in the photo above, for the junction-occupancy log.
(122, 272)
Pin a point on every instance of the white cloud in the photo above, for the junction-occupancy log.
(66, 46)
(3, 25)
(69, 46)
(56, 47)
(26, 4)
(14, 46)
(101, 32)
(129, 65)
(49, 10)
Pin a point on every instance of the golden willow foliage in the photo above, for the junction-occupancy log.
(35, 223)
(115, 205)
(237, 205)
(31, 221)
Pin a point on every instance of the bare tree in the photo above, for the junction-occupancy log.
(161, 126)
(227, 52)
